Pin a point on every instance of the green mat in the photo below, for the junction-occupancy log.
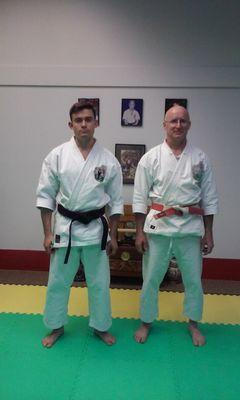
(81, 367)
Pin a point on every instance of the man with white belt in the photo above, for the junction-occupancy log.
(81, 180)
(178, 180)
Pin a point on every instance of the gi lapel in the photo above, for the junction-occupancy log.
(82, 179)
(170, 184)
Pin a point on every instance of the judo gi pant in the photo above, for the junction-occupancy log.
(155, 264)
(97, 273)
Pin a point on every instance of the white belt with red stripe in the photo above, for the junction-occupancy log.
(167, 211)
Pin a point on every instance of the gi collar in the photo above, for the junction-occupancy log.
(169, 150)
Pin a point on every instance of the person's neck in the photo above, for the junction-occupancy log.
(85, 148)
(176, 147)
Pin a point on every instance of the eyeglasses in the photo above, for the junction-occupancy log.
(175, 121)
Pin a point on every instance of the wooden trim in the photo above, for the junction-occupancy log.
(32, 260)
(221, 268)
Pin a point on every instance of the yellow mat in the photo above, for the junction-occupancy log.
(125, 304)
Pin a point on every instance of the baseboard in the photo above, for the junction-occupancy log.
(221, 268)
(32, 260)
(37, 260)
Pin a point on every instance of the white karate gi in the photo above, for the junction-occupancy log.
(79, 185)
(131, 116)
(164, 179)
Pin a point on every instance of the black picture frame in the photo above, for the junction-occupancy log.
(128, 156)
(171, 102)
(132, 118)
(95, 102)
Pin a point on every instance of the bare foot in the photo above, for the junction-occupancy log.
(49, 340)
(106, 337)
(197, 337)
(142, 333)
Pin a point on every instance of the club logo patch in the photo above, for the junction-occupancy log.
(197, 171)
(100, 173)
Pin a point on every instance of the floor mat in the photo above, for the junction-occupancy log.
(125, 303)
(81, 367)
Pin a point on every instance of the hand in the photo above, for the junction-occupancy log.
(141, 242)
(111, 247)
(48, 242)
(207, 244)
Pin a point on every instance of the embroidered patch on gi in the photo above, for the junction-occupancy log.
(57, 238)
(100, 173)
(197, 171)
(152, 226)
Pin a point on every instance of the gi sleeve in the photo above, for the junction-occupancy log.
(114, 191)
(209, 201)
(142, 185)
(48, 186)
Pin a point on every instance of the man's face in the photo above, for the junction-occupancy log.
(83, 125)
(176, 124)
(131, 105)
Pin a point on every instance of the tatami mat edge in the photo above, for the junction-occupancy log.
(29, 299)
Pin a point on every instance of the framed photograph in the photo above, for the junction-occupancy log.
(172, 102)
(95, 103)
(128, 156)
(132, 112)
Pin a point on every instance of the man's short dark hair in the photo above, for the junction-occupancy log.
(77, 107)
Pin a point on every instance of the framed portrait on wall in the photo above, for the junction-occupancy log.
(132, 112)
(128, 156)
(172, 102)
(95, 103)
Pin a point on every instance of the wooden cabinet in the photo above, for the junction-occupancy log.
(127, 261)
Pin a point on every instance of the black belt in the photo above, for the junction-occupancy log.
(84, 218)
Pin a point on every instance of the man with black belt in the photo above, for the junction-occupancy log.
(178, 180)
(82, 180)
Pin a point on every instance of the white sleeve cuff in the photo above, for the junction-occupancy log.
(210, 210)
(139, 208)
(46, 203)
(116, 210)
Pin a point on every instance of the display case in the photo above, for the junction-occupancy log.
(127, 261)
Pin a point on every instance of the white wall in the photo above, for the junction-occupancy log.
(127, 42)
(53, 52)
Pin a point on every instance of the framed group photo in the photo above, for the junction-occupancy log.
(128, 156)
